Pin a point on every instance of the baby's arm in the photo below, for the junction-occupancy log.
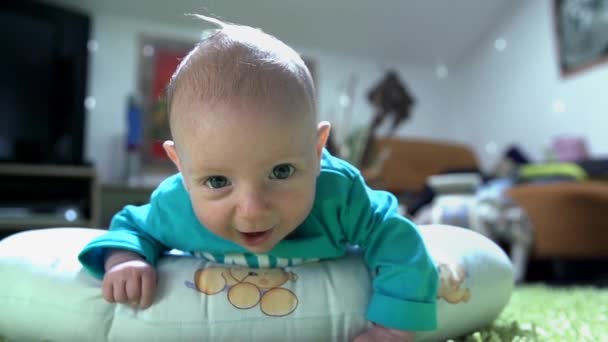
(128, 279)
(126, 255)
(125, 258)
(405, 277)
(378, 333)
(129, 231)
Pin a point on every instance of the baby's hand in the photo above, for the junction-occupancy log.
(129, 279)
(379, 333)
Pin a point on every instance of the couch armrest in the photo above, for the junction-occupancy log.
(569, 218)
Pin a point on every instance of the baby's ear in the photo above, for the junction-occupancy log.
(171, 151)
(322, 135)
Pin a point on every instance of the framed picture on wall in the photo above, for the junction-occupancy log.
(581, 28)
(159, 57)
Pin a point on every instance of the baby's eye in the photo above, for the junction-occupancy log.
(282, 171)
(216, 182)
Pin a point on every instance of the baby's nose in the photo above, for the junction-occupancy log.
(253, 208)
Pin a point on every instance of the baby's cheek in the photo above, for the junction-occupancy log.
(299, 206)
(213, 218)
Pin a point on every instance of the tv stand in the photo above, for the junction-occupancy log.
(42, 195)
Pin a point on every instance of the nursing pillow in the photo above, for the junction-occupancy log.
(45, 294)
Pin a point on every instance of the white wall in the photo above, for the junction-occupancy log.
(113, 76)
(490, 99)
(508, 97)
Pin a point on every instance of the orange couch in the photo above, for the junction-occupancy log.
(411, 161)
(570, 219)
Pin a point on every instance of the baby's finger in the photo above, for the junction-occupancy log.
(107, 290)
(148, 285)
(120, 293)
(133, 288)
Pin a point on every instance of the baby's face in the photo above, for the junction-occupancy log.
(250, 169)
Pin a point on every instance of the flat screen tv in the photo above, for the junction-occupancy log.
(43, 77)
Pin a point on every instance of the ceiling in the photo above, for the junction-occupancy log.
(421, 32)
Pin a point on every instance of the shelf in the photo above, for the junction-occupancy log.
(39, 188)
(119, 187)
(113, 198)
(47, 170)
(17, 224)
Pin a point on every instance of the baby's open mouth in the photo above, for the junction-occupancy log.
(256, 238)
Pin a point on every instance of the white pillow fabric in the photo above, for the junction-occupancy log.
(45, 295)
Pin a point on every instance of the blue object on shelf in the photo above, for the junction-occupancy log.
(134, 125)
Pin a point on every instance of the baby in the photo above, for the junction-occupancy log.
(254, 178)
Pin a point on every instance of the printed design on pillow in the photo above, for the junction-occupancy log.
(451, 279)
(247, 287)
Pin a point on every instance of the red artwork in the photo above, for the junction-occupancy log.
(164, 65)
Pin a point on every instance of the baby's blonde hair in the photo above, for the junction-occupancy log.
(238, 61)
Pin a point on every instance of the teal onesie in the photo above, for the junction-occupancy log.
(346, 212)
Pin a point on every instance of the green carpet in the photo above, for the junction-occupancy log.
(540, 313)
